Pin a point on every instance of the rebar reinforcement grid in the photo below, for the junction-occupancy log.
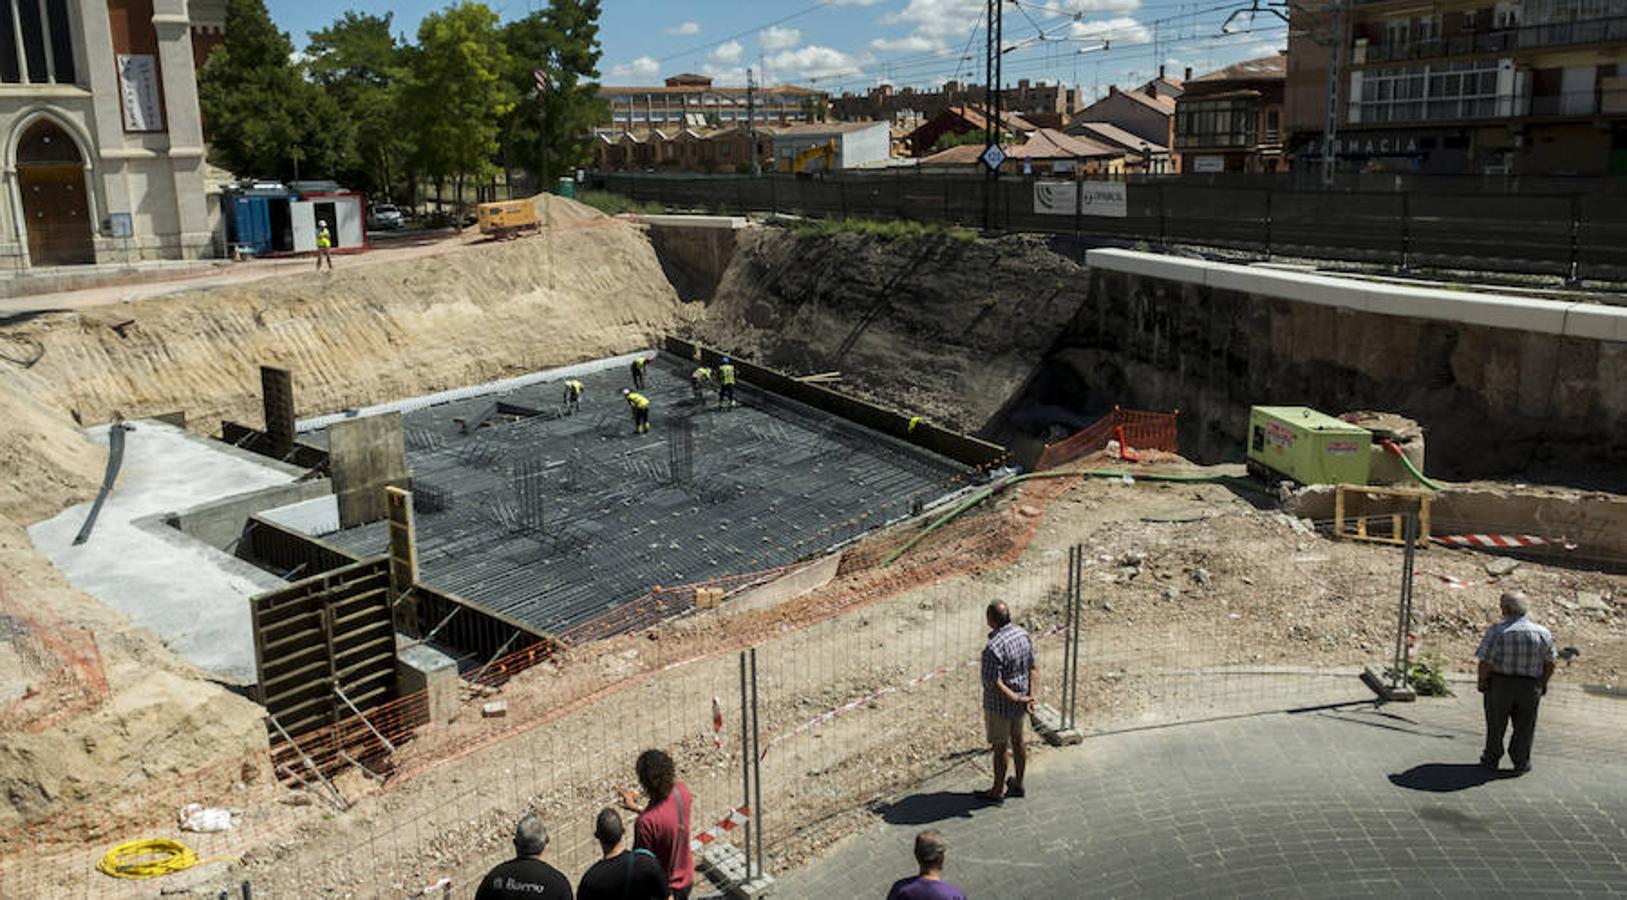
(552, 520)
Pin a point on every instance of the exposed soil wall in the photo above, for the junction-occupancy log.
(941, 326)
(1494, 402)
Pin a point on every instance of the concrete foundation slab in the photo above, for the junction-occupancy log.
(192, 595)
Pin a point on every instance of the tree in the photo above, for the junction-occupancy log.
(262, 115)
(562, 40)
(456, 97)
(362, 67)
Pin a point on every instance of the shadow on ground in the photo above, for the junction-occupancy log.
(1445, 778)
(924, 809)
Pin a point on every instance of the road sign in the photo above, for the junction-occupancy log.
(993, 157)
(541, 78)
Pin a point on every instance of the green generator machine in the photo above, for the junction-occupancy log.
(1309, 447)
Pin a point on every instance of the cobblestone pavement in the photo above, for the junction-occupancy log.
(1343, 801)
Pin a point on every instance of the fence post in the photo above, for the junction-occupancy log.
(1067, 637)
(1406, 231)
(1163, 214)
(1403, 613)
(745, 761)
(756, 768)
(1268, 224)
(1573, 273)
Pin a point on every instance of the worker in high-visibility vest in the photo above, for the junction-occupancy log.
(639, 363)
(725, 383)
(324, 242)
(573, 396)
(640, 405)
(699, 381)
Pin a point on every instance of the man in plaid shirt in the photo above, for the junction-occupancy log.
(1516, 661)
(1008, 695)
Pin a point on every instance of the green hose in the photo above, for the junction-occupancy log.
(991, 490)
(1411, 468)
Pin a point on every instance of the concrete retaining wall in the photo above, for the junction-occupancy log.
(694, 250)
(1501, 384)
(220, 523)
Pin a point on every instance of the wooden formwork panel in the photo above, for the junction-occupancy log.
(324, 635)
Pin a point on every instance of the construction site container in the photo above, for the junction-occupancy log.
(1308, 446)
(507, 218)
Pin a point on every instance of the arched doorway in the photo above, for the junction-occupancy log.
(51, 178)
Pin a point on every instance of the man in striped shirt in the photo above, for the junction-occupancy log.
(1008, 695)
(1516, 660)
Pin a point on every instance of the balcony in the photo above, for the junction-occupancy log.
(1609, 99)
(1504, 40)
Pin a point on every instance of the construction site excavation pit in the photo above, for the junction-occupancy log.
(560, 523)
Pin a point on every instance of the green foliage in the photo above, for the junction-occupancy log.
(880, 229)
(1427, 676)
(264, 119)
(456, 96)
(563, 41)
(616, 204)
(363, 67)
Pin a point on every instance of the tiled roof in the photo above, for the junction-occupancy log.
(1115, 136)
(1265, 67)
(1043, 143)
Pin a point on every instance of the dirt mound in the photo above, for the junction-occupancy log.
(139, 713)
(553, 209)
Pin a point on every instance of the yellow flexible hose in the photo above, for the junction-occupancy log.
(150, 858)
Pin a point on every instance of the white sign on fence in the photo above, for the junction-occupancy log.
(1055, 198)
(1089, 198)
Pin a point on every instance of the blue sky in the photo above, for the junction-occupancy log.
(851, 45)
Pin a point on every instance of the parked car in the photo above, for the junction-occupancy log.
(384, 217)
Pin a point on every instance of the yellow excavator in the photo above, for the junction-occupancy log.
(825, 151)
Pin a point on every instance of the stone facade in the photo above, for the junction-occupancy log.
(103, 150)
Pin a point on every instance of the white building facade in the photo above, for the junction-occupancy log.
(103, 149)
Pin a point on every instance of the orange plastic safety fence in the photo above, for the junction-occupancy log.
(1138, 429)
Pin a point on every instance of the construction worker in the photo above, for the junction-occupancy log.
(324, 242)
(699, 381)
(638, 371)
(640, 405)
(725, 387)
(573, 396)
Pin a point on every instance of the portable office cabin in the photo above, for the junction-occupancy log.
(344, 211)
(257, 219)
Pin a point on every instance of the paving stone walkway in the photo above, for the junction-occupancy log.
(1345, 801)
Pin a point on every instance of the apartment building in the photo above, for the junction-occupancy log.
(692, 101)
(1050, 102)
(1230, 120)
(1536, 87)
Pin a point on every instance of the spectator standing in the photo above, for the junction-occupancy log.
(929, 885)
(526, 876)
(663, 825)
(1008, 677)
(1516, 660)
(622, 874)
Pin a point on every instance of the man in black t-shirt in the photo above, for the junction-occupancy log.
(629, 874)
(526, 876)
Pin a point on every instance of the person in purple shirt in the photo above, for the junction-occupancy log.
(929, 885)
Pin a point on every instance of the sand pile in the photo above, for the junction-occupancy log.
(555, 210)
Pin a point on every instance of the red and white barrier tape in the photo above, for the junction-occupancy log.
(1500, 541)
(728, 823)
(1453, 581)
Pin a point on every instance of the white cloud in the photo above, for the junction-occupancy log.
(728, 53)
(725, 76)
(685, 28)
(1077, 9)
(643, 67)
(913, 43)
(1118, 30)
(775, 37)
(939, 20)
(854, 2)
(814, 61)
